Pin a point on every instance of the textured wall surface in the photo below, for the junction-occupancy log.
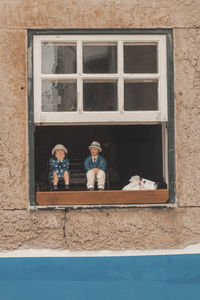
(187, 118)
(13, 121)
(94, 229)
(133, 228)
(99, 13)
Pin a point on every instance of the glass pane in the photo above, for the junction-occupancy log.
(140, 96)
(140, 59)
(100, 96)
(59, 96)
(100, 59)
(58, 59)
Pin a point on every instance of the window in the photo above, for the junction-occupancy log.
(113, 83)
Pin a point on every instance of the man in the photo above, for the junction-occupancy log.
(95, 166)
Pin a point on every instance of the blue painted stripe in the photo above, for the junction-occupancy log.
(106, 278)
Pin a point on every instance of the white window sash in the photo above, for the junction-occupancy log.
(132, 117)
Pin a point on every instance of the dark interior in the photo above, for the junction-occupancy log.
(129, 150)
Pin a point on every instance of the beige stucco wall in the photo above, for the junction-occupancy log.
(135, 228)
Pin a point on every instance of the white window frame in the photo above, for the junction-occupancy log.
(104, 117)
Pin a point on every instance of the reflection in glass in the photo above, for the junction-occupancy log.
(140, 96)
(99, 59)
(59, 96)
(58, 59)
(100, 96)
(140, 59)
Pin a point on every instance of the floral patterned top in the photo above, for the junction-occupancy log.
(59, 167)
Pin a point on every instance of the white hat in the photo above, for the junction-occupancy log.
(59, 147)
(95, 145)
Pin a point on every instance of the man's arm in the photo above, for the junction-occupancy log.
(87, 166)
(103, 164)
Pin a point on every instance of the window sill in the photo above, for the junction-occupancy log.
(91, 198)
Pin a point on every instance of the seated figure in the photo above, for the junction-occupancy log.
(59, 167)
(95, 166)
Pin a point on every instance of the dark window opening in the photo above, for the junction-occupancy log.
(129, 150)
(140, 96)
(99, 59)
(100, 96)
(140, 59)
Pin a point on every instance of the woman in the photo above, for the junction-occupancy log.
(59, 167)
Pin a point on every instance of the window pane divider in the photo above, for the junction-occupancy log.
(59, 76)
(142, 76)
(80, 95)
(79, 58)
(79, 80)
(121, 80)
(99, 76)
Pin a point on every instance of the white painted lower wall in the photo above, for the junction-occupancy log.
(190, 249)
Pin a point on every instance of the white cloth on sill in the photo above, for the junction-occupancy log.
(137, 183)
(100, 177)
